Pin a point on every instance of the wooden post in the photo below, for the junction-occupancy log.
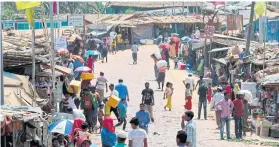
(14, 134)
(247, 49)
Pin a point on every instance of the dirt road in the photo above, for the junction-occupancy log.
(167, 123)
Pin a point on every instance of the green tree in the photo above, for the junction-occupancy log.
(9, 11)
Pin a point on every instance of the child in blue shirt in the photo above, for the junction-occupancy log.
(122, 107)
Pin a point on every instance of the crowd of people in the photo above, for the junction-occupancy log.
(96, 109)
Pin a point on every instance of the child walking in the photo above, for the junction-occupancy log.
(101, 115)
(175, 62)
(122, 114)
(168, 94)
(188, 98)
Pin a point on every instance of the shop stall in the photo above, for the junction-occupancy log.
(22, 124)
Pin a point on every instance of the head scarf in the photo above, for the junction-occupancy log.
(80, 140)
(236, 89)
(77, 125)
(108, 124)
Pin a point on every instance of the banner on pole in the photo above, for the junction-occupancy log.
(61, 43)
(75, 20)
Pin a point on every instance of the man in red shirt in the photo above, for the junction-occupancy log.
(238, 113)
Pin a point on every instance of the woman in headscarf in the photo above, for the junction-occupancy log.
(108, 135)
(76, 127)
(83, 142)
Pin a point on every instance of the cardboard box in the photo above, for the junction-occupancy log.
(76, 85)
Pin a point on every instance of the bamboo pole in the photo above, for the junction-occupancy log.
(1, 61)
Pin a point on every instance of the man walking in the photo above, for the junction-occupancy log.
(216, 98)
(122, 90)
(202, 100)
(135, 49)
(137, 137)
(238, 114)
(225, 106)
(144, 117)
(190, 128)
(148, 99)
(101, 85)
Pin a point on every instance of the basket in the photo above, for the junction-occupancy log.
(87, 76)
(113, 101)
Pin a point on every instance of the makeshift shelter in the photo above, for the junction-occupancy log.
(24, 123)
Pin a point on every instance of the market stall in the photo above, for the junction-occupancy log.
(22, 124)
(265, 108)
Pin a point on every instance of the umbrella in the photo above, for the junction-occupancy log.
(61, 126)
(78, 114)
(63, 51)
(97, 41)
(247, 95)
(83, 69)
(75, 57)
(195, 41)
(164, 45)
(175, 39)
(186, 39)
(93, 53)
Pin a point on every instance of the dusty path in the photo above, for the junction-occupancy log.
(167, 123)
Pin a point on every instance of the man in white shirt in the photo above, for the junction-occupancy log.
(101, 85)
(216, 98)
(137, 137)
(135, 49)
(191, 81)
(113, 92)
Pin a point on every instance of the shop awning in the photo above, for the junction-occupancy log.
(219, 50)
(271, 79)
(127, 26)
(221, 60)
(61, 69)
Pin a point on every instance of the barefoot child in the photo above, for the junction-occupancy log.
(101, 115)
(168, 94)
(188, 98)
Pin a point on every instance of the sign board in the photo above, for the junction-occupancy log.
(8, 25)
(61, 43)
(75, 20)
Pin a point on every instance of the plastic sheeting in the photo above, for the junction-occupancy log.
(143, 32)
